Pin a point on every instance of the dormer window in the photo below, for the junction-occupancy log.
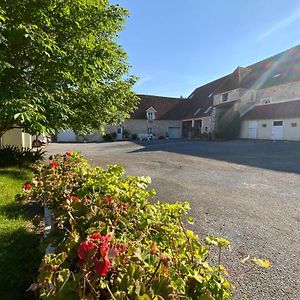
(150, 115)
(266, 100)
(208, 110)
(197, 111)
(150, 112)
(225, 97)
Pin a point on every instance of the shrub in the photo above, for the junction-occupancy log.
(107, 137)
(114, 136)
(14, 156)
(126, 134)
(111, 243)
(134, 136)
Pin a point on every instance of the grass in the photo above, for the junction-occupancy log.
(19, 256)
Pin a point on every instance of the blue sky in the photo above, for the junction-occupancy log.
(175, 46)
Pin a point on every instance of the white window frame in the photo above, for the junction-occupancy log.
(150, 130)
(266, 101)
(222, 95)
(150, 115)
(208, 109)
(277, 121)
(197, 111)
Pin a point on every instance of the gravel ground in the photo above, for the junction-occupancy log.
(245, 191)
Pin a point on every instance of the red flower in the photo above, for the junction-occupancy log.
(53, 164)
(27, 186)
(73, 198)
(106, 238)
(107, 199)
(103, 247)
(102, 266)
(86, 249)
(69, 153)
(96, 236)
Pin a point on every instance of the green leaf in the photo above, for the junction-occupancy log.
(190, 220)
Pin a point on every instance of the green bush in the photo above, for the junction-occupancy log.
(107, 137)
(134, 136)
(126, 134)
(14, 156)
(110, 137)
(111, 243)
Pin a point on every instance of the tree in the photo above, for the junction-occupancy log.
(61, 67)
(228, 124)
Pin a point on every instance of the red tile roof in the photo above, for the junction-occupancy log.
(166, 107)
(280, 110)
(278, 69)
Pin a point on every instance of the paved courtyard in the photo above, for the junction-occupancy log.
(245, 191)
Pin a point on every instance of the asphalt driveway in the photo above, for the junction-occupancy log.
(245, 191)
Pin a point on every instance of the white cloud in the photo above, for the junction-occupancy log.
(281, 25)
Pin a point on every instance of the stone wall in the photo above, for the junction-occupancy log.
(159, 127)
(283, 92)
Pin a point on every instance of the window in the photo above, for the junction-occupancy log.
(208, 110)
(277, 123)
(197, 111)
(225, 97)
(150, 115)
(266, 100)
(150, 131)
(294, 124)
(264, 125)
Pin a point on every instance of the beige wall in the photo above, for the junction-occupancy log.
(289, 133)
(160, 127)
(135, 126)
(280, 92)
(17, 138)
(206, 122)
(236, 94)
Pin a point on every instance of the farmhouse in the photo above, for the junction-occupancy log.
(264, 97)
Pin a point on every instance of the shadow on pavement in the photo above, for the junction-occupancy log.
(278, 156)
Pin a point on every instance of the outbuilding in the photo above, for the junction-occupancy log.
(277, 121)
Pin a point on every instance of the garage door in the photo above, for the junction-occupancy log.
(252, 129)
(277, 130)
(66, 136)
(174, 132)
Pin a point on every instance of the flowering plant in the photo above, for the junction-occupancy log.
(111, 243)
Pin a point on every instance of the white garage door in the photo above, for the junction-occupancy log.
(252, 129)
(174, 132)
(277, 130)
(66, 136)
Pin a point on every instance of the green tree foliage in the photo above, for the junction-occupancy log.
(61, 67)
